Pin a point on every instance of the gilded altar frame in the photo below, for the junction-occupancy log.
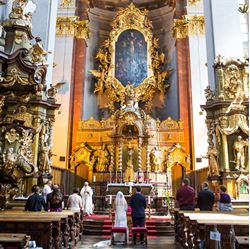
(107, 85)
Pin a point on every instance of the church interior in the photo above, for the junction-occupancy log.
(102, 99)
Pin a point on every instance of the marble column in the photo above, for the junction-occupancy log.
(184, 82)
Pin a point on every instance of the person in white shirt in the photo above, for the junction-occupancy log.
(87, 203)
(47, 189)
(75, 200)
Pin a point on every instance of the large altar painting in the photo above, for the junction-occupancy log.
(131, 57)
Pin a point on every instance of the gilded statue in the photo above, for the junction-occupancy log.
(155, 159)
(101, 158)
(233, 83)
(209, 94)
(239, 148)
(22, 114)
(16, 151)
(212, 156)
(38, 53)
(129, 175)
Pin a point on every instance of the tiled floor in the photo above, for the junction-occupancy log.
(153, 243)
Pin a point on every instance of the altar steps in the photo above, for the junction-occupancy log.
(102, 227)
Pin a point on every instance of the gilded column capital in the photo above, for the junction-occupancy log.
(188, 25)
(65, 3)
(72, 26)
(193, 2)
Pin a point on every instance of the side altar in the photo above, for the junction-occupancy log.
(128, 145)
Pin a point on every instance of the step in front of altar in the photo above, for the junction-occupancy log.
(99, 226)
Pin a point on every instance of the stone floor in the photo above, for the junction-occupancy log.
(153, 243)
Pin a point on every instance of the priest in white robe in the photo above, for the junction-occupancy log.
(87, 202)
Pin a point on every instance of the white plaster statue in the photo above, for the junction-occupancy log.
(239, 152)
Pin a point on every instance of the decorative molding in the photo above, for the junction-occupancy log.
(188, 25)
(72, 26)
(193, 2)
(65, 3)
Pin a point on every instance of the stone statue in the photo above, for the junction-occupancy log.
(155, 159)
(212, 156)
(209, 94)
(239, 153)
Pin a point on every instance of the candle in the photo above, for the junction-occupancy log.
(110, 199)
(149, 201)
(94, 179)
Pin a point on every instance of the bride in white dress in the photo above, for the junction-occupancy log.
(120, 207)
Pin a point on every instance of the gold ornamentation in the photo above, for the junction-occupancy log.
(177, 155)
(170, 124)
(22, 114)
(188, 25)
(106, 84)
(65, 3)
(82, 30)
(2, 102)
(21, 13)
(38, 53)
(193, 2)
(72, 26)
(15, 77)
(232, 77)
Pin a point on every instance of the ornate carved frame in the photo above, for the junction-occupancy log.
(130, 18)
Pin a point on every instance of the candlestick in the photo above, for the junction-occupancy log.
(149, 200)
(110, 199)
(94, 178)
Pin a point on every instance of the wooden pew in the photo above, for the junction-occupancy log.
(14, 240)
(46, 231)
(70, 222)
(193, 228)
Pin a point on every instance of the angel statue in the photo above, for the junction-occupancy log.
(53, 90)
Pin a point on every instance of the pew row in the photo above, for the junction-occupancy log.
(14, 240)
(61, 227)
(193, 229)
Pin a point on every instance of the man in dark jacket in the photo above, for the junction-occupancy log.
(138, 205)
(35, 201)
(205, 200)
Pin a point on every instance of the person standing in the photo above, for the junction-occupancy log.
(75, 200)
(87, 203)
(225, 203)
(35, 201)
(47, 189)
(205, 200)
(185, 196)
(138, 205)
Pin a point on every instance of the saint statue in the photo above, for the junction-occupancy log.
(212, 156)
(102, 159)
(239, 153)
(129, 172)
(155, 159)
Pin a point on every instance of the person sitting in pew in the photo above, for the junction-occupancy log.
(225, 203)
(205, 200)
(35, 201)
(75, 200)
(56, 204)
